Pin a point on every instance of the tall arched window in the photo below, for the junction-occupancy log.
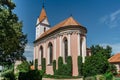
(41, 53)
(65, 46)
(81, 40)
(50, 47)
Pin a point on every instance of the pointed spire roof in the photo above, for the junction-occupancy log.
(42, 15)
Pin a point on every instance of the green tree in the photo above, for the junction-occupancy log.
(99, 49)
(12, 39)
(95, 64)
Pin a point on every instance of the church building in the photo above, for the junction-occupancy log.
(67, 38)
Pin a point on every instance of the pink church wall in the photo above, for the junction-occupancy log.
(74, 53)
(49, 69)
(57, 50)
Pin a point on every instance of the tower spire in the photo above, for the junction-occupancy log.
(42, 14)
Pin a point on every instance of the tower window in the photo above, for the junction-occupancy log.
(41, 53)
(44, 29)
(50, 48)
(81, 44)
(65, 46)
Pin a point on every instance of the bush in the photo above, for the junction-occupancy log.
(64, 69)
(60, 62)
(60, 67)
(109, 76)
(54, 66)
(69, 65)
(9, 75)
(22, 76)
(36, 64)
(30, 75)
(44, 65)
(80, 64)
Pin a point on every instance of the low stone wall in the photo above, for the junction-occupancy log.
(62, 79)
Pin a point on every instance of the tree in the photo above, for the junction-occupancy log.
(99, 49)
(95, 64)
(12, 39)
(98, 63)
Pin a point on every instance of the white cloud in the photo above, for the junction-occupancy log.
(112, 20)
(29, 51)
(29, 47)
(115, 47)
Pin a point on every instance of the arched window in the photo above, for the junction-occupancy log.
(65, 46)
(50, 47)
(41, 53)
(81, 40)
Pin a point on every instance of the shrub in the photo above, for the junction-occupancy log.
(22, 76)
(80, 64)
(44, 65)
(54, 66)
(60, 66)
(36, 64)
(109, 76)
(69, 65)
(9, 75)
(30, 75)
(60, 62)
(64, 69)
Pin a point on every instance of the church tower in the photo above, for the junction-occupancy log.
(42, 23)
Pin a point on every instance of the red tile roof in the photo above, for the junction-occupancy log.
(42, 15)
(67, 22)
(115, 58)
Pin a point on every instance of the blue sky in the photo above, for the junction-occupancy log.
(100, 17)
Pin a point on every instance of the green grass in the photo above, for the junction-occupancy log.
(61, 77)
